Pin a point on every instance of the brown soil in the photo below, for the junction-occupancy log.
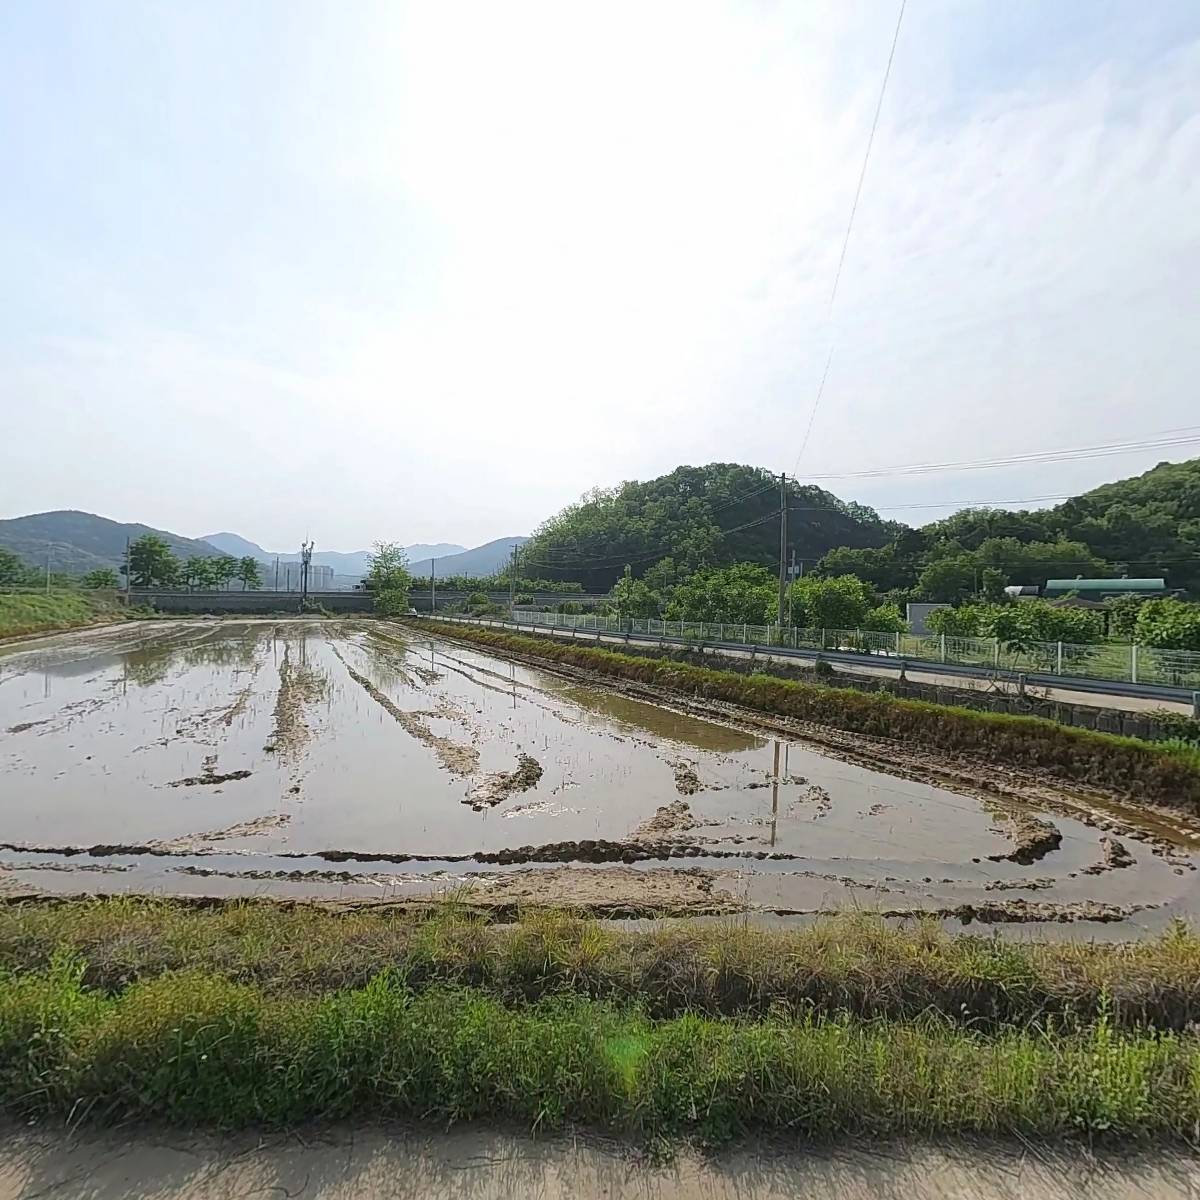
(499, 785)
(1113, 857)
(669, 820)
(1033, 838)
(297, 687)
(687, 782)
(209, 777)
(1020, 885)
(606, 891)
(191, 842)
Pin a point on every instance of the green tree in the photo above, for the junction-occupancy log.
(744, 592)
(1169, 625)
(992, 582)
(1122, 613)
(634, 597)
(13, 572)
(946, 580)
(388, 579)
(151, 562)
(249, 572)
(883, 567)
(101, 577)
(840, 602)
(196, 572)
(885, 618)
(224, 570)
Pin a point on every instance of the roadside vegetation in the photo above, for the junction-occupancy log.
(254, 1013)
(45, 612)
(1165, 773)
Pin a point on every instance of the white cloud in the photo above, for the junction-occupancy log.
(493, 255)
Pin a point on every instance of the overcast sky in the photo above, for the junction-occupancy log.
(429, 271)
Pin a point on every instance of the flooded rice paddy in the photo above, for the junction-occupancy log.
(362, 760)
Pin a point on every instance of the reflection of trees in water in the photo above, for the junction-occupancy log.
(153, 664)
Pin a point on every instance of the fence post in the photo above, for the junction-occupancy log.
(822, 637)
(743, 633)
(1058, 660)
(1133, 663)
(897, 643)
(942, 646)
(1196, 706)
(996, 653)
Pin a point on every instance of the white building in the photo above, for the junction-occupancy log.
(320, 579)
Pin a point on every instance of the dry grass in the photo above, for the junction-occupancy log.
(855, 964)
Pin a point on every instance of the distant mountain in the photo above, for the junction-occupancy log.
(349, 563)
(420, 551)
(482, 560)
(238, 546)
(80, 541)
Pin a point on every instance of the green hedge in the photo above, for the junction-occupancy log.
(191, 1048)
(1140, 770)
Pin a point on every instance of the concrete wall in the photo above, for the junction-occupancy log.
(250, 601)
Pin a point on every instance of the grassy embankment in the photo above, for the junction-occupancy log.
(251, 1013)
(44, 612)
(1161, 773)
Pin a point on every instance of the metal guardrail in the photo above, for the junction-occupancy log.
(1127, 669)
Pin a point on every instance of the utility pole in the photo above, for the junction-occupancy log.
(512, 581)
(782, 549)
(47, 572)
(306, 549)
(433, 587)
(277, 572)
(791, 580)
(128, 575)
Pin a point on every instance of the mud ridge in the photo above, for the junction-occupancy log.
(296, 687)
(687, 782)
(209, 777)
(191, 841)
(1113, 857)
(455, 758)
(499, 785)
(1033, 838)
(668, 820)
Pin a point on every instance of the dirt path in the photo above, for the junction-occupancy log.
(389, 1163)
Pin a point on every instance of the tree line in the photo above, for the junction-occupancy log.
(152, 564)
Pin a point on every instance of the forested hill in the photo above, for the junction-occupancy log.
(696, 516)
(1145, 525)
(1148, 525)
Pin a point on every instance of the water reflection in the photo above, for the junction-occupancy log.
(676, 727)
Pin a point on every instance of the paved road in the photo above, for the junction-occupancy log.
(394, 1165)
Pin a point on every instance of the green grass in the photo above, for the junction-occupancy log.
(39, 612)
(1146, 771)
(192, 1048)
(854, 963)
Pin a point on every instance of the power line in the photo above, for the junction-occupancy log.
(837, 276)
(1187, 435)
(887, 72)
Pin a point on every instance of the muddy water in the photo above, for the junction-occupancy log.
(360, 759)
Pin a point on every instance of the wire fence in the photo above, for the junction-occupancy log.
(1106, 660)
